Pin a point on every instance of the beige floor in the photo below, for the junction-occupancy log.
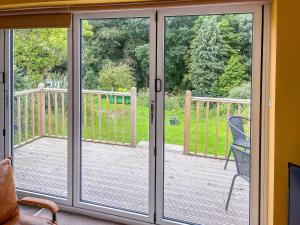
(65, 218)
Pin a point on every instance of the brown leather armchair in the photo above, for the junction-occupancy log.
(9, 204)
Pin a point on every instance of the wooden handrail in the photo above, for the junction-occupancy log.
(221, 100)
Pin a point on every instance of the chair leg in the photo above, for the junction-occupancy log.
(227, 160)
(230, 192)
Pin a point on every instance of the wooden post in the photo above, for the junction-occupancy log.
(133, 117)
(187, 115)
(41, 109)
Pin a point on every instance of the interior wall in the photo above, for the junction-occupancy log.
(284, 111)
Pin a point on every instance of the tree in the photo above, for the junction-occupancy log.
(116, 77)
(40, 53)
(179, 34)
(207, 58)
(235, 73)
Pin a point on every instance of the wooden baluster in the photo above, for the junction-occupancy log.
(187, 115)
(100, 117)
(115, 119)
(49, 114)
(107, 118)
(227, 131)
(26, 117)
(123, 123)
(197, 127)
(239, 109)
(92, 117)
(19, 119)
(206, 128)
(41, 109)
(32, 117)
(84, 118)
(217, 130)
(133, 102)
(56, 114)
(62, 114)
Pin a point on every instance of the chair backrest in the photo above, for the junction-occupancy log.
(242, 160)
(8, 197)
(236, 124)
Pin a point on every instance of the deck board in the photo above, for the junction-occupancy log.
(196, 188)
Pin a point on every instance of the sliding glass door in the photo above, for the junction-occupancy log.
(147, 115)
(208, 115)
(40, 111)
(115, 148)
(2, 91)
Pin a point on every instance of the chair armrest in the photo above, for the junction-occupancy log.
(39, 203)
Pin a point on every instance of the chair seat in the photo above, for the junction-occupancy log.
(28, 220)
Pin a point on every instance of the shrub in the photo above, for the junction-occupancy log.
(241, 92)
(116, 77)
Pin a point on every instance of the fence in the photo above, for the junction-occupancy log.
(232, 106)
(42, 112)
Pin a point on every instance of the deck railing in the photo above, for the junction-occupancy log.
(110, 117)
(42, 112)
(220, 109)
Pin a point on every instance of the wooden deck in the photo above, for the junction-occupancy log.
(196, 188)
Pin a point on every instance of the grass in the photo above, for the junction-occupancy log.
(174, 134)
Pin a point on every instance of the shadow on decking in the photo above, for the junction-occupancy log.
(196, 188)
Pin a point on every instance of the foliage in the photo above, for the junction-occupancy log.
(241, 92)
(38, 53)
(179, 34)
(235, 74)
(199, 53)
(120, 41)
(207, 58)
(116, 77)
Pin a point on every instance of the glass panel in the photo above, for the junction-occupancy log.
(115, 113)
(208, 75)
(40, 116)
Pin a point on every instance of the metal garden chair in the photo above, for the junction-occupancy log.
(240, 138)
(242, 160)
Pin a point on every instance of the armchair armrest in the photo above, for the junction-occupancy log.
(40, 203)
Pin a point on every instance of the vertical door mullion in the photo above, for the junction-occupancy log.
(160, 119)
(152, 150)
(70, 120)
(2, 73)
(7, 94)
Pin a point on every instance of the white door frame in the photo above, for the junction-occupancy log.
(9, 117)
(151, 14)
(256, 9)
(2, 91)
